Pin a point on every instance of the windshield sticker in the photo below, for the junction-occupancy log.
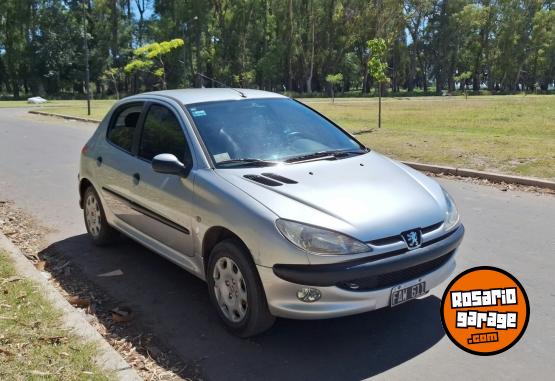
(196, 112)
(221, 157)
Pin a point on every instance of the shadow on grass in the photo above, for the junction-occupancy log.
(172, 306)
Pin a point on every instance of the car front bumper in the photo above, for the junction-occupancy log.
(282, 282)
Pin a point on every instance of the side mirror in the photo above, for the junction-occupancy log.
(169, 164)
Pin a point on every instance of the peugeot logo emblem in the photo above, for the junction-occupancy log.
(413, 238)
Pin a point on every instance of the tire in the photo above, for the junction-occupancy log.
(97, 226)
(241, 305)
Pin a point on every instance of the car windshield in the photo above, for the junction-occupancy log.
(266, 131)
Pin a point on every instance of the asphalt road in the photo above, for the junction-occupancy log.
(511, 230)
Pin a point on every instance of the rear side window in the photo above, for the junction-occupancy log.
(162, 134)
(122, 128)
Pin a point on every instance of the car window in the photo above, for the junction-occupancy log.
(162, 134)
(122, 128)
(266, 129)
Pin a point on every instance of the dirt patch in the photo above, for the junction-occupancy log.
(22, 230)
(150, 358)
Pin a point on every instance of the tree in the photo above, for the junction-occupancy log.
(269, 44)
(333, 80)
(417, 13)
(473, 23)
(149, 58)
(377, 66)
(462, 78)
(542, 59)
(112, 75)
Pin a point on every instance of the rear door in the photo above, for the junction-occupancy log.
(164, 200)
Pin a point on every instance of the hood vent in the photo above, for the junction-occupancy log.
(270, 179)
(284, 180)
(263, 180)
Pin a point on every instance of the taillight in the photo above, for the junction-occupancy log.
(84, 150)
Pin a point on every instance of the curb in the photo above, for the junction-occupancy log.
(108, 358)
(493, 177)
(68, 117)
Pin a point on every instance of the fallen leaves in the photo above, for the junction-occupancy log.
(77, 301)
(39, 265)
(121, 314)
(504, 187)
(22, 230)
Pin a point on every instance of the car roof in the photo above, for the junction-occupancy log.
(190, 96)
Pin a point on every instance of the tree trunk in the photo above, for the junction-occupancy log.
(290, 55)
(379, 105)
(114, 17)
(424, 78)
(141, 8)
(440, 82)
(365, 80)
(15, 88)
(412, 72)
(311, 72)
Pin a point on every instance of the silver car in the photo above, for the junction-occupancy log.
(278, 209)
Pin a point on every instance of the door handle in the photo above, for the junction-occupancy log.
(136, 178)
(99, 160)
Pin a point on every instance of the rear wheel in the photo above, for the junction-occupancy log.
(236, 291)
(95, 219)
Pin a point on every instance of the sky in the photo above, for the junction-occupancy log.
(148, 12)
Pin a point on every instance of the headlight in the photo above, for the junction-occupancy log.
(452, 215)
(320, 241)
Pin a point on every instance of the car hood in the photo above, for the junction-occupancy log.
(367, 196)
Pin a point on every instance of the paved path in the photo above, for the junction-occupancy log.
(511, 230)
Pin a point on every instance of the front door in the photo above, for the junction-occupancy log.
(163, 200)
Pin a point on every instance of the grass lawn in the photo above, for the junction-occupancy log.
(512, 134)
(33, 345)
(69, 107)
(507, 134)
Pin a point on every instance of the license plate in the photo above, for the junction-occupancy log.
(399, 296)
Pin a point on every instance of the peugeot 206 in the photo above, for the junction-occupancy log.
(277, 208)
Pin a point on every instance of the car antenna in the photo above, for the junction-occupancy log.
(223, 84)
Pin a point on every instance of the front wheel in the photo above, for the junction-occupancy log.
(236, 291)
(95, 219)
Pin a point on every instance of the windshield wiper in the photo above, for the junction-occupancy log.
(324, 155)
(247, 162)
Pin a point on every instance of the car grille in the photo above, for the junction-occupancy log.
(391, 279)
(397, 238)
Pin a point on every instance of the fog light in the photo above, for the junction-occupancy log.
(308, 294)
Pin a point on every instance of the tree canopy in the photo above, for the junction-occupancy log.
(291, 45)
